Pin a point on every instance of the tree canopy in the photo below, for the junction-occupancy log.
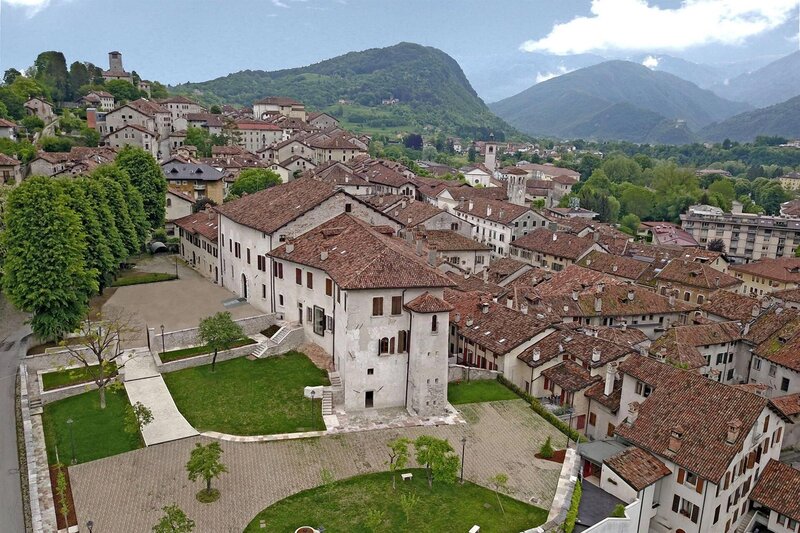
(252, 180)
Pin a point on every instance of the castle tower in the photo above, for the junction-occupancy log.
(516, 188)
(427, 373)
(490, 161)
(115, 61)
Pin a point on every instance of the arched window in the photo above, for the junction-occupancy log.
(700, 298)
(384, 346)
(434, 324)
(402, 342)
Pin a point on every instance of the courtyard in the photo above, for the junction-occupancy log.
(127, 492)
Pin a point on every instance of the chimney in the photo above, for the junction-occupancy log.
(755, 311)
(611, 374)
(323, 255)
(598, 301)
(488, 210)
(575, 291)
(485, 308)
(555, 236)
(536, 354)
(471, 205)
(746, 329)
(501, 214)
(595, 355)
(633, 413)
(461, 202)
(419, 247)
(289, 246)
(485, 275)
(524, 309)
(734, 428)
(91, 118)
(675, 438)
(631, 294)
(596, 236)
(614, 268)
(468, 321)
(560, 348)
(716, 281)
(623, 325)
(409, 220)
(672, 299)
(662, 354)
(457, 317)
(432, 258)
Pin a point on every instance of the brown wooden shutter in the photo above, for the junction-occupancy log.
(699, 486)
(681, 475)
(727, 479)
(751, 459)
(676, 503)
(695, 513)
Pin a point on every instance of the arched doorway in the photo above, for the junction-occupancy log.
(244, 286)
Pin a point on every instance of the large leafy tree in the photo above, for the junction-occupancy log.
(51, 71)
(119, 207)
(123, 91)
(45, 269)
(174, 521)
(146, 176)
(96, 194)
(133, 198)
(219, 332)
(252, 180)
(78, 76)
(440, 462)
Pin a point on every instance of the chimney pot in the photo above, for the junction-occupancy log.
(289, 247)
(734, 428)
(470, 206)
(555, 236)
(323, 255)
(595, 354)
(524, 309)
(675, 438)
(536, 354)
(419, 247)
(485, 308)
(633, 413)
(611, 374)
(468, 321)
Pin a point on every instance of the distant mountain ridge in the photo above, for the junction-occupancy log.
(780, 119)
(429, 84)
(774, 83)
(616, 100)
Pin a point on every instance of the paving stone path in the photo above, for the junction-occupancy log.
(126, 492)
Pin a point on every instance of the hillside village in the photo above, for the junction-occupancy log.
(662, 361)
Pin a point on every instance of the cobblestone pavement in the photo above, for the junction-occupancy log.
(125, 493)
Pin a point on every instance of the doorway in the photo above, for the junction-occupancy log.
(244, 286)
(369, 399)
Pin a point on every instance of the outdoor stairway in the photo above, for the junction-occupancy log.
(327, 403)
(261, 348)
(745, 521)
(281, 334)
(336, 381)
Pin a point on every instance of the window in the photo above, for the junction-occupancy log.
(298, 276)
(263, 291)
(397, 305)
(328, 287)
(319, 320)
(348, 208)
(280, 300)
(643, 389)
(785, 384)
(686, 508)
(277, 268)
(434, 324)
(716, 514)
(238, 250)
(402, 342)
(370, 371)
(592, 419)
(377, 306)
(383, 347)
(610, 430)
(772, 370)
(248, 255)
(309, 280)
(309, 314)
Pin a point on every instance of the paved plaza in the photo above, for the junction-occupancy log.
(127, 492)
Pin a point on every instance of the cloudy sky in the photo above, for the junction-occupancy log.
(181, 40)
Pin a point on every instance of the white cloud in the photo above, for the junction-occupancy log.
(631, 25)
(32, 7)
(544, 76)
(650, 62)
(279, 3)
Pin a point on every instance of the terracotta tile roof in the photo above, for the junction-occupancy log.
(256, 125)
(278, 100)
(146, 107)
(273, 208)
(451, 241)
(410, 212)
(570, 376)
(180, 194)
(380, 173)
(7, 160)
(624, 336)
(550, 170)
(646, 369)
(466, 191)
(575, 345)
(546, 283)
(791, 208)
(204, 223)
(557, 244)
(7, 123)
(566, 180)
(777, 489)
(637, 468)
(385, 201)
(694, 274)
(698, 408)
(787, 295)
(336, 143)
(427, 303)
(784, 270)
(474, 282)
(358, 256)
(615, 265)
(177, 99)
(782, 347)
(497, 211)
(789, 405)
(597, 393)
(680, 345)
(132, 126)
(730, 305)
(770, 323)
(502, 268)
(499, 329)
(669, 233)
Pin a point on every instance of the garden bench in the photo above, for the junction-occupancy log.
(474, 529)
(406, 477)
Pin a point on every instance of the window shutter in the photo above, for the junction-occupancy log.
(727, 480)
(676, 503)
(751, 459)
(699, 486)
(681, 475)
(695, 513)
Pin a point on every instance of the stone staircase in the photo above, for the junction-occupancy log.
(266, 345)
(745, 521)
(335, 379)
(327, 402)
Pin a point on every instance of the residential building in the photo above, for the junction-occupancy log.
(266, 107)
(768, 275)
(196, 180)
(178, 205)
(552, 250)
(496, 223)
(410, 214)
(376, 307)
(706, 348)
(775, 498)
(78, 160)
(101, 100)
(666, 234)
(790, 181)
(133, 135)
(253, 135)
(694, 281)
(41, 108)
(723, 305)
(452, 250)
(181, 108)
(8, 129)
(322, 121)
(477, 175)
(198, 234)
(770, 353)
(10, 170)
(548, 171)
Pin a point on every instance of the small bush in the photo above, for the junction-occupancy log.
(546, 451)
(618, 512)
(572, 514)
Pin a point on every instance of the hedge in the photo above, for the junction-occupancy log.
(138, 278)
(572, 513)
(543, 411)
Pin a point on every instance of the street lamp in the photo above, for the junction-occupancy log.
(312, 407)
(463, 449)
(176, 268)
(72, 439)
(89, 526)
(163, 347)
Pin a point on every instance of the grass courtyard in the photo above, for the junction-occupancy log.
(244, 397)
(74, 376)
(97, 433)
(344, 505)
(488, 390)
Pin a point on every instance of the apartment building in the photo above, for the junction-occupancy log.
(496, 223)
(553, 250)
(198, 234)
(767, 276)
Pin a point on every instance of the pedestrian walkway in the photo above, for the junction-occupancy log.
(144, 384)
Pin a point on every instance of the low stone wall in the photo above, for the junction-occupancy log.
(64, 392)
(184, 338)
(200, 360)
(468, 373)
(58, 359)
(292, 341)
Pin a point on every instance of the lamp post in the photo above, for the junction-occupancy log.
(312, 407)
(569, 426)
(176, 268)
(463, 449)
(90, 526)
(71, 438)
(163, 347)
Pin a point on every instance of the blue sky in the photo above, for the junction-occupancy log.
(179, 40)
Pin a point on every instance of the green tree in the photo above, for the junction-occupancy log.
(33, 124)
(134, 205)
(51, 71)
(472, 154)
(123, 91)
(78, 76)
(716, 245)
(10, 75)
(205, 463)
(147, 177)
(546, 450)
(44, 270)
(200, 139)
(219, 332)
(137, 416)
(252, 180)
(438, 458)
(637, 200)
(622, 169)
(174, 521)
(398, 456)
(215, 110)
(158, 90)
(96, 195)
(630, 224)
(55, 144)
(499, 482)
(119, 207)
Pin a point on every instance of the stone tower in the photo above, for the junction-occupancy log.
(490, 161)
(516, 188)
(115, 61)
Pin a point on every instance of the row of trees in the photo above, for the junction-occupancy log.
(64, 239)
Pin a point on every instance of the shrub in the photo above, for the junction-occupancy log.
(546, 451)
(572, 513)
(618, 512)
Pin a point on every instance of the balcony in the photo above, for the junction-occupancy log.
(199, 186)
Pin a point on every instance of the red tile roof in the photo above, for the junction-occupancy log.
(358, 256)
(410, 212)
(558, 244)
(637, 468)
(204, 223)
(730, 305)
(451, 241)
(778, 489)
(427, 303)
(574, 345)
(694, 274)
(784, 270)
(614, 265)
(8, 161)
(570, 376)
(493, 210)
(789, 405)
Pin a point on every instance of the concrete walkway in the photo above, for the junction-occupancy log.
(144, 384)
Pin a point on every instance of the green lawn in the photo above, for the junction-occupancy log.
(97, 433)
(486, 390)
(184, 353)
(73, 376)
(244, 397)
(137, 278)
(341, 507)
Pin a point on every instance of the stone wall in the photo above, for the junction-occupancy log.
(55, 359)
(184, 338)
(200, 360)
(465, 373)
